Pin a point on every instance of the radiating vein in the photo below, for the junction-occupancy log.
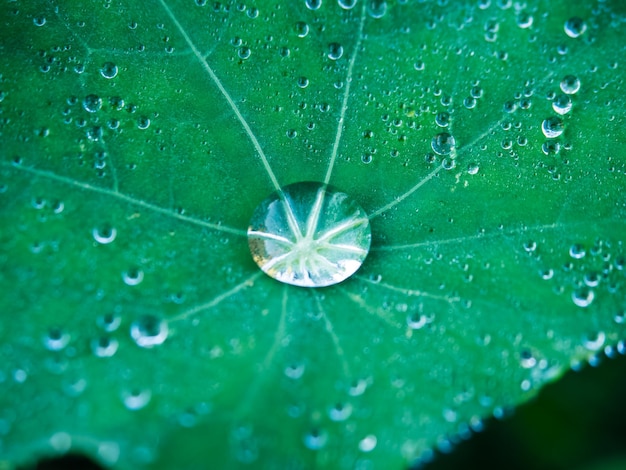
(364, 305)
(124, 197)
(409, 292)
(477, 236)
(346, 96)
(333, 336)
(402, 197)
(201, 58)
(217, 300)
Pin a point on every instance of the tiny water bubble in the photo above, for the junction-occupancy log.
(294, 371)
(527, 360)
(594, 341)
(368, 443)
(143, 122)
(575, 27)
(148, 331)
(376, 8)
(417, 321)
(577, 251)
(562, 104)
(302, 29)
(108, 70)
(442, 119)
(109, 321)
(552, 127)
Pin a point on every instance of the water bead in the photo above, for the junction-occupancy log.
(552, 127)
(443, 144)
(109, 70)
(570, 85)
(148, 331)
(309, 235)
(575, 27)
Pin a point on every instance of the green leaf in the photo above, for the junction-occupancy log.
(137, 140)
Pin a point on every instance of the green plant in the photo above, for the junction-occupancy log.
(483, 139)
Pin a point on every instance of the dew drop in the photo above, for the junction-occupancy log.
(577, 251)
(313, 4)
(302, 29)
(104, 235)
(443, 144)
(552, 127)
(583, 297)
(335, 51)
(562, 104)
(309, 235)
(136, 399)
(575, 27)
(56, 339)
(377, 8)
(92, 103)
(109, 70)
(340, 412)
(594, 341)
(368, 443)
(417, 321)
(315, 440)
(347, 4)
(527, 360)
(570, 85)
(109, 322)
(104, 346)
(148, 331)
(132, 277)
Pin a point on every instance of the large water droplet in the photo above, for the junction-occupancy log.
(148, 331)
(310, 235)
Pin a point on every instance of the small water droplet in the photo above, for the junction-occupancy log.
(562, 104)
(570, 85)
(583, 297)
(302, 29)
(132, 277)
(109, 322)
(92, 103)
(368, 443)
(56, 339)
(340, 412)
(294, 371)
(347, 4)
(527, 360)
(104, 235)
(313, 4)
(577, 251)
(104, 346)
(575, 27)
(335, 51)
(148, 331)
(315, 440)
(136, 399)
(108, 70)
(594, 341)
(552, 127)
(376, 8)
(443, 144)
(417, 321)
(311, 235)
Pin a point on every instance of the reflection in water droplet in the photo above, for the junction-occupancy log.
(594, 341)
(148, 331)
(577, 251)
(311, 235)
(376, 8)
(575, 27)
(109, 322)
(552, 127)
(347, 4)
